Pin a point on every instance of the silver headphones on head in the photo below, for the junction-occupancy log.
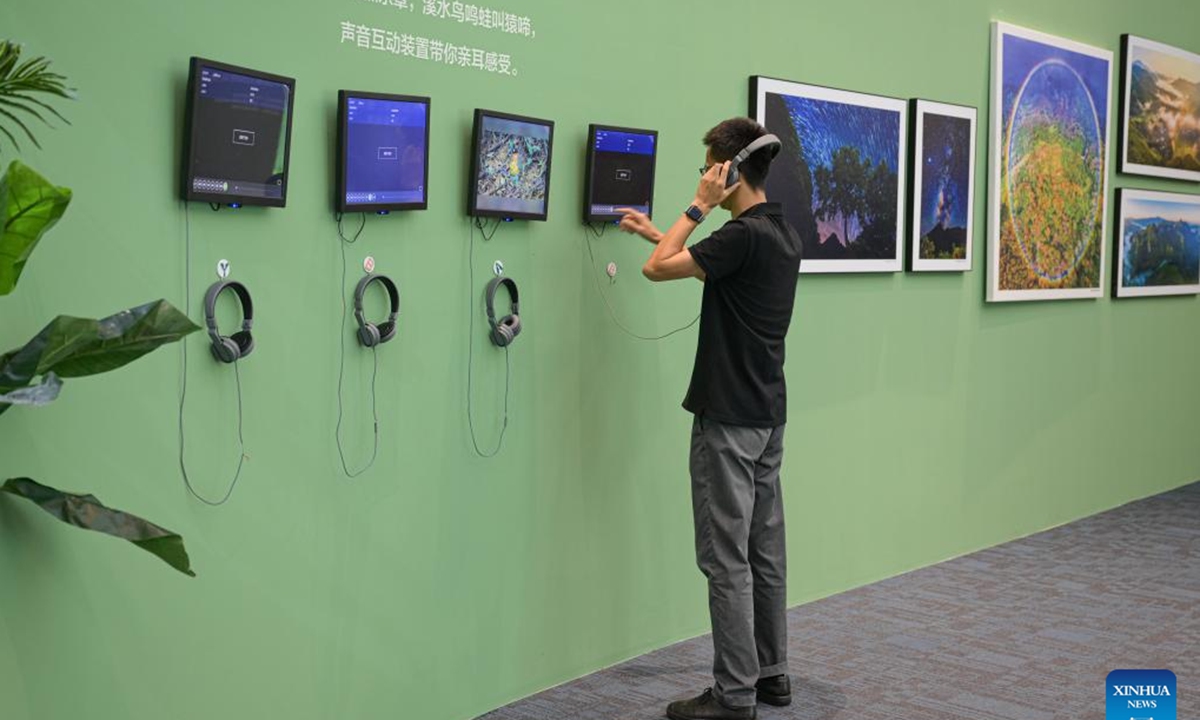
(766, 141)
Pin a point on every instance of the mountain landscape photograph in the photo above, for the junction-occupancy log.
(1162, 123)
(1159, 244)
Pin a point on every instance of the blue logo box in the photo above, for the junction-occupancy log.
(1140, 695)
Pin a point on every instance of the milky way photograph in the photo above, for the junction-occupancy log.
(943, 181)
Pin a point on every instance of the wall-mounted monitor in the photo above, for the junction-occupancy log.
(510, 167)
(237, 132)
(620, 172)
(383, 152)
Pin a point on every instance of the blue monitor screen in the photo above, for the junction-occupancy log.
(625, 143)
(386, 153)
(512, 167)
(239, 128)
(622, 172)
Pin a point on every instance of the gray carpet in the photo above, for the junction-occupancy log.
(1026, 630)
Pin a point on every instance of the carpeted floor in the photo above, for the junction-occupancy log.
(1027, 630)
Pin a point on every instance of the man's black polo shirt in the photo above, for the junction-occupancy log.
(751, 265)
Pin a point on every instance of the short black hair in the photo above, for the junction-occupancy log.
(728, 139)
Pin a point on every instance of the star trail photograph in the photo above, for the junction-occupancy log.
(839, 173)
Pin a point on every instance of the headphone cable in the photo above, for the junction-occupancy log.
(589, 232)
(187, 264)
(478, 223)
(362, 224)
(483, 230)
(337, 433)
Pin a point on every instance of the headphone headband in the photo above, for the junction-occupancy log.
(767, 140)
(360, 292)
(210, 305)
(490, 294)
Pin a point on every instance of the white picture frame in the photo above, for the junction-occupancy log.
(1161, 66)
(1175, 250)
(881, 112)
(931, 121)
(1043, 262)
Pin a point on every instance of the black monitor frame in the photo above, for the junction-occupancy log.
(588, 216)
(339, 202)
(473, 180)
(189, 135)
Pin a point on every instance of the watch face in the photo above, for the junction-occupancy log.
(694, 213)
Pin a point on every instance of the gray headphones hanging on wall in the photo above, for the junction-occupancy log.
(369, 334)
(506, 329)
(229, 349)
(766, 141)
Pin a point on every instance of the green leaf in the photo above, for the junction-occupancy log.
(39, 103)
(75, 347)
(10, 52)
(17, 79)
(22, 125)
(8, 102)
(11, 139)
(29, 206)
(87, 512)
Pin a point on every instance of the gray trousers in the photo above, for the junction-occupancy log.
(737, 505)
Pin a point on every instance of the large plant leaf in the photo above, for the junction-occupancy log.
(74, 347)
(87, 512)
(29, 206)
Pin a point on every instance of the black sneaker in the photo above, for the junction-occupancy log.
(775, 690)
(707, 707)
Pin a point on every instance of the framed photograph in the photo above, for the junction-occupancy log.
(839, 173)
(1160, 110)
(1158, 244)
(1049, 167)
(941, 187)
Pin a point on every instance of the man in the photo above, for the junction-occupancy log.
(749, 268)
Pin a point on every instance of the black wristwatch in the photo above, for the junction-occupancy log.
(695, 214)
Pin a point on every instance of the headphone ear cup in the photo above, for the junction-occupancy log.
(226, 350)
(386, 331)
(501, 335)
(732, 177)
(244, 342)
(514, 325)
(368, 335)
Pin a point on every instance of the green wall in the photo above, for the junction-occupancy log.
(924, 424)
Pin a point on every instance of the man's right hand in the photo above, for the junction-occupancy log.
(638, 222)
